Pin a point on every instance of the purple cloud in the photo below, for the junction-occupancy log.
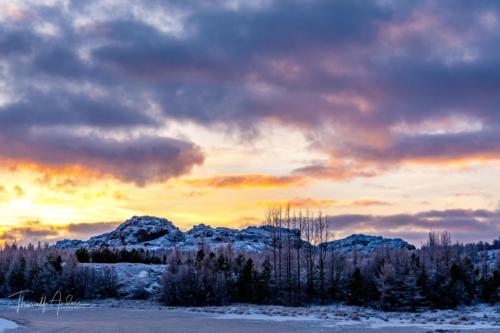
(139, 160)
(464, 225)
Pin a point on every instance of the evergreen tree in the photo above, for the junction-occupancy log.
(355, 294)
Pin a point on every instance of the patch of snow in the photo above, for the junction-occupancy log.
(7, 325)
(473, 317)
(265, 317)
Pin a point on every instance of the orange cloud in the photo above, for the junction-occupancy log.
(247, 181)
(301, 203)
(369, 202)
(338, 170)
(459, 162)
(74, 170)
(19, 191)
(323, 203)
(118, 195)
(36, 231)
(3, 194)
(16, 192)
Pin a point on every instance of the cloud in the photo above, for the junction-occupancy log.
(299, 203)
(336, 70)
(18, 190)
(3, 194)
(464, 225)
(36, 231)
(337, 170)
(7, 195)
(139, 160)
(246, 181)
(435, 148)
(369, 202)
(90, 228)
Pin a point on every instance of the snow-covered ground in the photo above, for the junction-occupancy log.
(127, 315)
(6, 325)
(464, 318)
(473, 317)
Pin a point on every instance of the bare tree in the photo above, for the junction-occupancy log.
(298, 224)
(270, 221)
(321, 235)
(310, 251)
(288, 224)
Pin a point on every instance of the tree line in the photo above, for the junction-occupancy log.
(295, 272)
(42, 271)
(116, 255)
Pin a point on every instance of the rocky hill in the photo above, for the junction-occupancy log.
(142, 231)
(157, 233)
(367, 244)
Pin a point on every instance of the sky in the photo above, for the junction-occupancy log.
(382, 114)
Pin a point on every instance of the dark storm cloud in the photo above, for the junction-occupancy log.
(346, 73)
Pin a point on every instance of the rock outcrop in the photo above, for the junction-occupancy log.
(153, 233)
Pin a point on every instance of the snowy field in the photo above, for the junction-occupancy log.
(143, 316)
(6, 325)
(466, 318)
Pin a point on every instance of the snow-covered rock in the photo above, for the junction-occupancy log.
(367, 244)
(139, 231)
(251, 239)
(157, 233)
(70, 244)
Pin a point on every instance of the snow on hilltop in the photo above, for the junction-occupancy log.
(155, 233)
(250, 239)
(367, 244)
(158, 233)
(137, 231)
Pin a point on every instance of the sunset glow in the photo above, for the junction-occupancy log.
(384, 115)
